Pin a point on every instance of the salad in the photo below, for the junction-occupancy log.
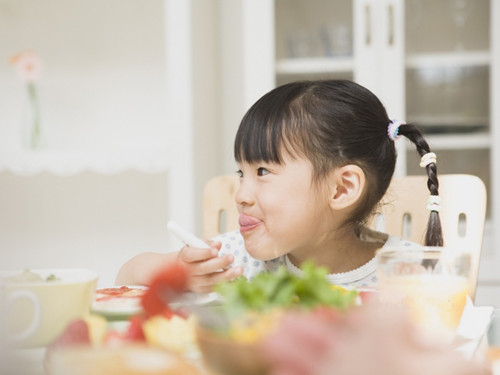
(253, 307)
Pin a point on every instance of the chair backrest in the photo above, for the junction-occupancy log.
(403, 212)
(219, 207)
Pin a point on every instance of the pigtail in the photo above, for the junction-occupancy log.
(434, 234)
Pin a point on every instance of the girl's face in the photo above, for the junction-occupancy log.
(281, 210)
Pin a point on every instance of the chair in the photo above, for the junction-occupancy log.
(403, 211)
(219, 207)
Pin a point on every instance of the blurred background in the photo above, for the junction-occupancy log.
(133, 105)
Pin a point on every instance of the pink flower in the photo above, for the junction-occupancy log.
(28, 66)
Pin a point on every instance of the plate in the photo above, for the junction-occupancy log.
(118, 302)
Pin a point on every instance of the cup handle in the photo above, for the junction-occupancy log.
(23, 335)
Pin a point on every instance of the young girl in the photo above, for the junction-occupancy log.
(315, 158)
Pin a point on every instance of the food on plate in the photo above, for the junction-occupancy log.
(254, 306)
(154, 324)
(90, 330)
(254, 310)
(118, 300)
(28, 276)
(165, 287)
(174, 333)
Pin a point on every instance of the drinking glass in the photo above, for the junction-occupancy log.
(432, 283)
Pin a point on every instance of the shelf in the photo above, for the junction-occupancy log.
(452, 59)
(315, 65)
(449, 119)
(65, 163)
(459, 141)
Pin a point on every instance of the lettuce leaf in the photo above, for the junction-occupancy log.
(281, 289)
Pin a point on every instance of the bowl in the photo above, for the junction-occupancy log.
(36, 305)
(227, 356)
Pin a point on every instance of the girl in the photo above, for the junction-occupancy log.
(315, 158)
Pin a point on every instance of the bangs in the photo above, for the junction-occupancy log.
(259, 141)
(270, 128)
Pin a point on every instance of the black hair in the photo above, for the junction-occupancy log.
(332, 123)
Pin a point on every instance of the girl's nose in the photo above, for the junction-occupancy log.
(243, 194)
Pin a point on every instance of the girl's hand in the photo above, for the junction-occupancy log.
(206, 268)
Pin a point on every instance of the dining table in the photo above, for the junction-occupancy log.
(31, 361)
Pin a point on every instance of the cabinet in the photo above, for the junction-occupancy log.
(432, 62)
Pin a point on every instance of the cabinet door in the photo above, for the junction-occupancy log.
(360, 40)
(379, 46)
(313, 39)
(449, 67)
(448, 82)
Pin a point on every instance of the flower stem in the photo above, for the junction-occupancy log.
(36, 131)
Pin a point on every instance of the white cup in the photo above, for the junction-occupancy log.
(34, 313)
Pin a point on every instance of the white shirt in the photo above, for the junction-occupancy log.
(364, 276)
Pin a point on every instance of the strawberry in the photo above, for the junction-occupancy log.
(164, 287)
(134, 331)
(76, 332)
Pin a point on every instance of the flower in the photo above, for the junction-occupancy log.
(28, 65)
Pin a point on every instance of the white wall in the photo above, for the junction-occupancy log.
(87, 220)
(103, 82)
(103, 91)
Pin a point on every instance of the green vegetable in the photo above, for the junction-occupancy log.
(281, 289)
(52, 277)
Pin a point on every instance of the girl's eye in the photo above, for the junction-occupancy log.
(262, 171)
(239, 173)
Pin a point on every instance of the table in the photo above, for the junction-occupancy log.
(30, 361)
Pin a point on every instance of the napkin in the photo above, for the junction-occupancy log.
(472, 328)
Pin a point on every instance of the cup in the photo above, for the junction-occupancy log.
(432, 283)
(33, 312)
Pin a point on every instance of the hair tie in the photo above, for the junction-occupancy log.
(393, 129)
(429, 158)
(434, 203)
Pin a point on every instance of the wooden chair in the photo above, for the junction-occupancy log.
(219, 207)
(403, 212)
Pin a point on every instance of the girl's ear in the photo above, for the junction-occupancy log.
(348, 183)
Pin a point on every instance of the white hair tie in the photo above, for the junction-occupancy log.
(427, 159)
(393, 129)
(434, 203)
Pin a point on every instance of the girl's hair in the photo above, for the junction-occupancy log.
(332, 123)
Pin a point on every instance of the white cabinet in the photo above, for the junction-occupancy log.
(432, 62)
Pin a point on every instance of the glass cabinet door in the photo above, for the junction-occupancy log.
(313, 39)
(447, 61)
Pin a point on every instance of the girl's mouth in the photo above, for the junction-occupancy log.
(248, 223)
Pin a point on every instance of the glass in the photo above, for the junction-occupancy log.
(431, 282)
(493, 338)
(313, 28)
(446, 25)
(281, 79)
(462, 93)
